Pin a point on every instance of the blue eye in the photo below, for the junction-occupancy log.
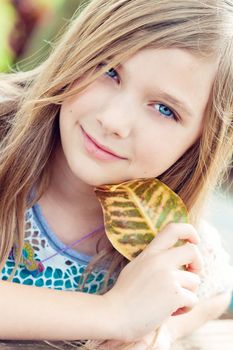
(165, 111)
(112, 73)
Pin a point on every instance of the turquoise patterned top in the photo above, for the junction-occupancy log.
(63, 270)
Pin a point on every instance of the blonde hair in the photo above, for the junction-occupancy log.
(113, 30)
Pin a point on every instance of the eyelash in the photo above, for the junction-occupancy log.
(114, 71)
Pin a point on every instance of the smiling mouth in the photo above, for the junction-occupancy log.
(99, 146)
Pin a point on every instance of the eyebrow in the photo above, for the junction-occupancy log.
(178, 103)
(164, 95)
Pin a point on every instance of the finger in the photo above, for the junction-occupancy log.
(171, 234)
(140, 345)
(186, 302)
(188, 280)
(181, 311)
(147, 342)
(186, 255)
(164, 340)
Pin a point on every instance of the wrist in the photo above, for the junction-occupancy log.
(172, 331)
(114, 317)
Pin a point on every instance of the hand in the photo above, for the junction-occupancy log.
(152, 341)
(163, 341)
(153, 286)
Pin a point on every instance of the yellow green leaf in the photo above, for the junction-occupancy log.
(136, 210)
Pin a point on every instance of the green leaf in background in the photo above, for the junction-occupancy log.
(18, 22)
(8, 17)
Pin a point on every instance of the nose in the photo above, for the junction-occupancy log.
(118, 116)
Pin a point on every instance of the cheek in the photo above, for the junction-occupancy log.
(156, 153)
(85, 105)
(88, 100)
(149, 153)
(66, 111)
(72, 109)
(154, 144)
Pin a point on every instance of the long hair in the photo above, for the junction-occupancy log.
(112, 31)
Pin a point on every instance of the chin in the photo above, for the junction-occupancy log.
(94, 179)
(94, 174)
(105, 181)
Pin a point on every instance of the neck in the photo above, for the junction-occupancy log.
(69, 205)
(68, 191)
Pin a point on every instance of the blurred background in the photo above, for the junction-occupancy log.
(27, 31)
(27, 26)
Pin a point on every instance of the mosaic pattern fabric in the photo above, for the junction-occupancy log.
(62, 271)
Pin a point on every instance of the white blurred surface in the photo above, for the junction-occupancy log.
(220, 214)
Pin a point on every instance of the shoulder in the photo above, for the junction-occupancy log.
(208, 233)
(212, 243)
(217, 269)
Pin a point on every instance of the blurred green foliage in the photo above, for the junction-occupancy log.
(8, 17)
(27, 26)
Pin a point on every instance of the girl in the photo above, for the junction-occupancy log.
(134, 89)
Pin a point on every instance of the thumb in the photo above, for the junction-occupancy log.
(163, 341)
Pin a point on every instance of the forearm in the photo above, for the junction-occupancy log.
(180, 326)
(38, 313)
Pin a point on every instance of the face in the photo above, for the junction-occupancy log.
(147, 112)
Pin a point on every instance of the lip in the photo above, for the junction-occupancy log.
(97, 149)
